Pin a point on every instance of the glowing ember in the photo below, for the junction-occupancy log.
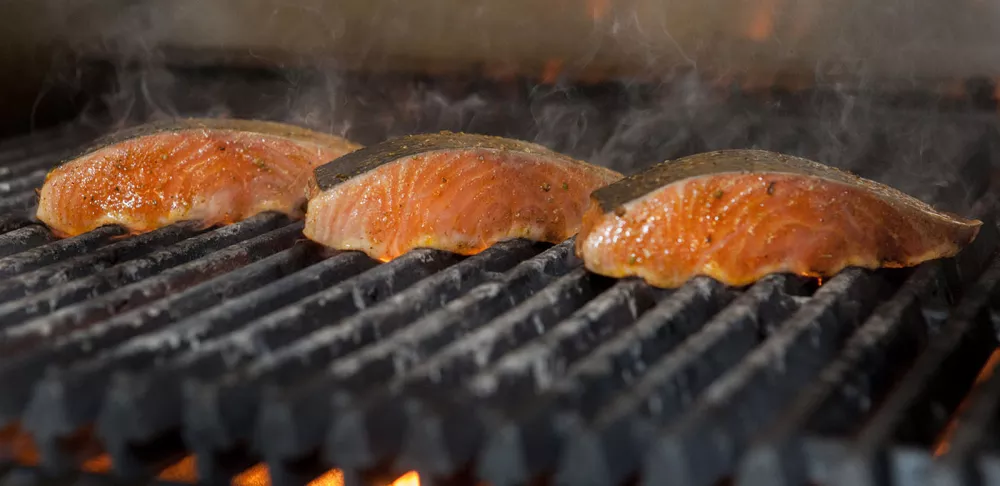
(99, 464)
(333, 477)
(18, 446)
(944, 440)
(258, 476)
(598, 9)
(996, 89)
(762, 21)
(254, 476)
(182, 471)
(409, 479)
(550, 74)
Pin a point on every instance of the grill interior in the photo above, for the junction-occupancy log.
(209, 351)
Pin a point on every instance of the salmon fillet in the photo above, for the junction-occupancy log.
(213, 171)
(448, 191)
(738, 215)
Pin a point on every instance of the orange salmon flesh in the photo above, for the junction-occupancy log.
(739, 227)
(461, 200)
(216, 176)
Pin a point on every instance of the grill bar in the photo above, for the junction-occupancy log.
(22, 239)
(366, 426)
(605, 450)
(440, 436)
(32, 164)
(689, 448)
(425, 297)
(964, 335)
(35, 258)
(77, 267)
(25, 183)
(138, 293)
(121, 425)
(128, 272)
(840, 393)
(65, 402)
(271, 332)
(526, 439)
(844, 390)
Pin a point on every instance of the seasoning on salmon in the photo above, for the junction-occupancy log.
(449, 191)
(213, 171)
(738, 215)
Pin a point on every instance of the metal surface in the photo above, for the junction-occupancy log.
(247, 343)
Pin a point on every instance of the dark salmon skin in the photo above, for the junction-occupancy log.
(213, 171)
(454, 192)
(738, 215)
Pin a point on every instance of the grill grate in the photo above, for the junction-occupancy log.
(248, 343)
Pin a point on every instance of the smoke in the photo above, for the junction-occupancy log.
(919, 145)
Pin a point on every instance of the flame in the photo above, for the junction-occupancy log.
(944, 440)
(501, 71)
(18, 446)
(333, 477)
(996, 89)
(762, 21)
(409, 479)
(255, 475)
(598, 9)
(182, 471)
(99, 464)
(258, 475)
(550, 73)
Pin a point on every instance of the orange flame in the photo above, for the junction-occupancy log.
(18, 446)
(99, 464)
(182, 471)
(551, 71)
(598, 9)
(257, 475)
(333, 477)
(762, 21)
(944, 440)
(996, 89)
(409, 479)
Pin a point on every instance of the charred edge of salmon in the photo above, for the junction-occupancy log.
(366, 159)
(284, 130)
(613, 196)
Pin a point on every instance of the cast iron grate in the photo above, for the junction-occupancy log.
(248, 343)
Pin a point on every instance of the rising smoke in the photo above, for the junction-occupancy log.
(671, 103)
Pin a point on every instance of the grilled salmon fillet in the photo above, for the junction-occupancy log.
(738, 215)
(448, 191)
(213, 171)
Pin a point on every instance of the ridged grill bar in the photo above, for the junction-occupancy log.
(247, 343)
